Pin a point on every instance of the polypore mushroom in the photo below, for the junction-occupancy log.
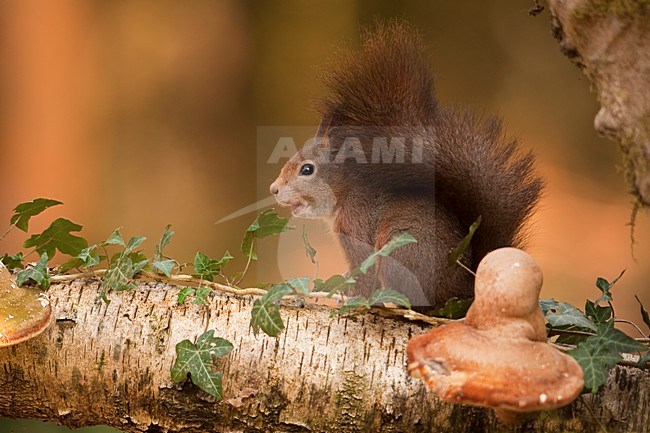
(498, 357)
(24, 312)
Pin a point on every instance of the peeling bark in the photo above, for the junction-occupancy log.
(110, 364)
(609, 41)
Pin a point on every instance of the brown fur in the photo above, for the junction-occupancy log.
(467, 169)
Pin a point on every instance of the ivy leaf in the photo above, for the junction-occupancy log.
(266, 224)
(164, 241)
(594, 361)
(563, 314)
(456, 253)
(605, 287)
(335, 283)
(248, 247)
(115, 239)
(266, 313)
(134, 242)
(24, 211)
(311, 252)
(202, 295)
(165, 266)
(87, 258)
(616, 340)
(454, 308)
(547, 305)
(353, 306)
(602, 350)
(396, 242)
(597, 313)
(38, 273)
(644, 313)
(118, 277)
(385, 296)
(196, 359)
(123, 268)
(300, 285)
(207, 268)
(58, 237)
(184, 293)
(13, 262)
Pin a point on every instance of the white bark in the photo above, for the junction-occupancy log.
(110, 364)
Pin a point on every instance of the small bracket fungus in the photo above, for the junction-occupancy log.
(498, 357)
(24, 312)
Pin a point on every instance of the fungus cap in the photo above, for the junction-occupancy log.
(498, 357)
(465, 365)
(24, 312)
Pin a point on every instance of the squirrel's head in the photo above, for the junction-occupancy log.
(305, 182)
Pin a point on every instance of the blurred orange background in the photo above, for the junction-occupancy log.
(142, 114)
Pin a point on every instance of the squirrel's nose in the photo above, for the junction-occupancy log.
(274, 188)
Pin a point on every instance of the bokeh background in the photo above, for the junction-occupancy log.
(142, 114)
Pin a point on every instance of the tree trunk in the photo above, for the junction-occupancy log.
(609, 41)
(110, 364)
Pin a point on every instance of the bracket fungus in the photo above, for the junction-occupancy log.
(498, 357)
(24, 312)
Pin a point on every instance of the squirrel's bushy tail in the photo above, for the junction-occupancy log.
(386, 91)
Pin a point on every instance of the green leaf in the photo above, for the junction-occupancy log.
(38, 273)
(605, 287)
(266, 313)
(123, 268)
(616, 340)
(58, 237)
(115, 239)
(396, 242)
(165, 266)
(385, 296)
(547, 305)
(184, 293)
(456, 253)
(597, 313)
(13, 262)
(196, 359)
(311, 252)
(164, 241)
(248, 246)
(564, 314)
(300, 285)
(454, 308)
(207, 268)
(643, 360)
(87, 258)
(25, 211)
(266, 224)
(644, 313)
(353, 306)
(594, 361)
(135, 242)
(202, 295)
(118, 276)
(335, 283)
(598, 352)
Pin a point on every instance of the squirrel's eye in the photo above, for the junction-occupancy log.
(307, 169)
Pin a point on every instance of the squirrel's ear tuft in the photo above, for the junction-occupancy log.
(388, 82)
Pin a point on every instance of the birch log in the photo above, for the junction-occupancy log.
(110, 364)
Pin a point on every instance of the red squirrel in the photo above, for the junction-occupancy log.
(387, 158)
